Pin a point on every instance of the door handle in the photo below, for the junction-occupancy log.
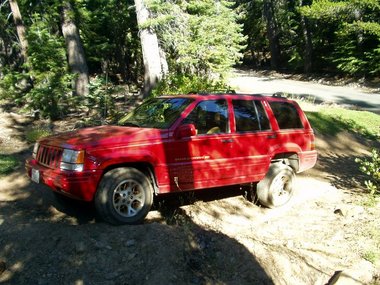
(271, 136)
(227, 141)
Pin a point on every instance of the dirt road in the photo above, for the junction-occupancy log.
(352, 95)
(211, 237)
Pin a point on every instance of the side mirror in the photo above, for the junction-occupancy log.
(185, 131)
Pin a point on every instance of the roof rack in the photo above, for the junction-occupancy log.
(215, 92)
(280, 95)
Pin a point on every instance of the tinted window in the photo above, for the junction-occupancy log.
(250, 116)
(286, 115)
(158, 113)
(209, 117)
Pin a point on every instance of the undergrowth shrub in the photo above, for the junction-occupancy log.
(186, 84)
(8, 163)
(100, 99)
(371, 167)
(35, 134)
(44, 84)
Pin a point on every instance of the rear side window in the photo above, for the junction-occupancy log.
(250, 116)
(286, 115)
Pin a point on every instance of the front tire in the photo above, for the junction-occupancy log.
(277, 187)
(124, 196)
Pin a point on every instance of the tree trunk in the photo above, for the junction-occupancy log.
(272, 33)
(154, 61)
(75, 52)
(20, 28)
(308, 61)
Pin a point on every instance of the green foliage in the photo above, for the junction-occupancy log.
(356, 33)
(325, 10)
(324, 124)
(12, 86)
(333, 35)
(100, 98)
(371, 256)
(110, 36)
(185, 84)
(48, 68)
(332, 120)
(199, 37)
(371, 167)
(8, 163)
(46, 85)
(35, 134)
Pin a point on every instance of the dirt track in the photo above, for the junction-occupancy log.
(212, 237)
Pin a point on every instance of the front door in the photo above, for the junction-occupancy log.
(203, 160)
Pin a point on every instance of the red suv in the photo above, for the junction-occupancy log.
(180, 143)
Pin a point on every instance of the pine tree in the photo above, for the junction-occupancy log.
(201, 38)
(154, 60)
(75, 53)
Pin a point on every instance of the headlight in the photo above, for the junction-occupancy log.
(35, 150)
(72, 160)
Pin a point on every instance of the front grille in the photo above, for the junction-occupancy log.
(49, 156)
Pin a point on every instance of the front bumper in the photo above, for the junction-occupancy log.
(78, 185)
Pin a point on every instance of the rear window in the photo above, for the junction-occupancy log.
(286, 115)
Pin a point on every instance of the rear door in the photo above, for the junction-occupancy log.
(252, 139)
(294, 134)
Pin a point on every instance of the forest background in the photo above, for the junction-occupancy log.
(60, 56)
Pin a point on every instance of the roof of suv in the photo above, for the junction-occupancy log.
(275, 96)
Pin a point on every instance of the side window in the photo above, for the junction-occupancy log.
(250, 116)
(263, 118)
(209, 117)
(286, 115)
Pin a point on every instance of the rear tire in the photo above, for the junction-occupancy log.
(277, 187)
(124, 196)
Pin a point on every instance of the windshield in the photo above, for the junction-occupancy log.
(158, 113)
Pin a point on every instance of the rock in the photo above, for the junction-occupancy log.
(339, 212)
(358, 274)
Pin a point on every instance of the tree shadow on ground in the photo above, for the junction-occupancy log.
(343, 172)
(336, 159)
(42, 243)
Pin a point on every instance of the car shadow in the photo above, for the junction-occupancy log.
(46, 242)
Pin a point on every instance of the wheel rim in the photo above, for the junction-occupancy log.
(128, 198)
(281, 189)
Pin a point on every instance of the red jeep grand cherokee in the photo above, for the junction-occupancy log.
(180, 143)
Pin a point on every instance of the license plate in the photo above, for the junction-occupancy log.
(35, 175)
